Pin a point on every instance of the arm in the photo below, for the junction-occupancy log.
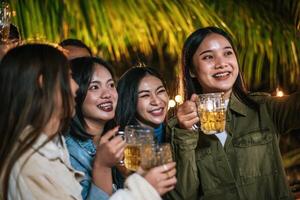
(109, 153)
(184, 142)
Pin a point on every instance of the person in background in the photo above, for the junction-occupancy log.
(75, 48)
(94, 148)
(146, 91)
(13, 40)
(244, 161)
(37, 102)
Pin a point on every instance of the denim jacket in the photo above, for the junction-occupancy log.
(82, 153)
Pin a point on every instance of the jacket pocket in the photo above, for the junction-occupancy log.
(255, 154)
(207, 169)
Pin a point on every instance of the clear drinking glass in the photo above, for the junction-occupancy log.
(5, 20)
(136, 137)
(155, 155)
(212, 112)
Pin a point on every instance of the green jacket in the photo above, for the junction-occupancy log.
(249, 166)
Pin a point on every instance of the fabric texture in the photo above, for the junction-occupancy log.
(136, 188)
(44, 172)
(249, 166)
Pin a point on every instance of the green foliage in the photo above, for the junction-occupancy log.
(267, 31)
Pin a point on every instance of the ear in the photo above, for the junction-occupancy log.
(192, 73)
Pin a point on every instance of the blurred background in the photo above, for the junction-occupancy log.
(129, 32)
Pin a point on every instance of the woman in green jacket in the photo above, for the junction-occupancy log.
(244, 161)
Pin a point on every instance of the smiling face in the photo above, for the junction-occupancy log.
(101, 99)
(215, 65)
(152, 105)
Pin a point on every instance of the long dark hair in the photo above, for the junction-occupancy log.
(191, 85)
(82, 72)
(128, 94)
(26, 101)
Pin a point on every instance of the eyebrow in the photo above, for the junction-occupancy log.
(98, 82)
(208, 51)
(149, 91)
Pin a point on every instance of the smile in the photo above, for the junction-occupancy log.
(107, 106)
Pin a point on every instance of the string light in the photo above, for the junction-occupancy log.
(171, 104)
(179, 99)
(279, 93)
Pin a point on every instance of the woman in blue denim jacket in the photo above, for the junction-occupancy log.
(94, 150)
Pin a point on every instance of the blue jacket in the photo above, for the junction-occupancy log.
(82, 153)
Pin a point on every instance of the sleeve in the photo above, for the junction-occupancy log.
(184, 143)
(285, 112)
(34, 187)
(136, 187)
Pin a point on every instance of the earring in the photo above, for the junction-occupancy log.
(192, 74)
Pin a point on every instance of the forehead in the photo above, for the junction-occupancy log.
(150, 81)
(214, 41)
(100, 72)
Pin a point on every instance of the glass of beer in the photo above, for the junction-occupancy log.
(5, 20)
(136, 137)
(155, 155)
(212, 112)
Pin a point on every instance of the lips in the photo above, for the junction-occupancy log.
(221, 75)
(157, 112)
(106, 106)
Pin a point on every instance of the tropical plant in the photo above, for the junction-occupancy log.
(267, 31)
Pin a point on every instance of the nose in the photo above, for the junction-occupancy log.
(155, 100)
(105, 94)
(220, 63)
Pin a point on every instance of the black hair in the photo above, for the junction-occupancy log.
(191, 85)
(82, 72)
(128, 94)
(76, 43)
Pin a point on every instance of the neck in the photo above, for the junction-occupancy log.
(52, 126)
(95, 129)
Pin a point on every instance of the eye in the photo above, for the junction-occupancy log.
(112, 85)
(93, 87)
(163, 90)
(228, 53)
(144, 95)
(207, 57)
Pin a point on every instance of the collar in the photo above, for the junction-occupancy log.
(53, 149)
(237, 106)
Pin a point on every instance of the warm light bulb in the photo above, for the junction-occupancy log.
(279, 93)
(172, 103)
(179, 99)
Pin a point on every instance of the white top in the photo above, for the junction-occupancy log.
(223, 135)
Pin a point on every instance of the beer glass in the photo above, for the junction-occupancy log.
(155, 155)
(136, 137)
(212, 112)
(5, 20)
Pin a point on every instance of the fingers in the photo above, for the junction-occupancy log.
(187, 113)
(109, 134)
(167, 167)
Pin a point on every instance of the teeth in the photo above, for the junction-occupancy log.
(221, 74)
(157, 110)
(105, 105)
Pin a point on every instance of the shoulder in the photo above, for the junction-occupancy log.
(260, 97)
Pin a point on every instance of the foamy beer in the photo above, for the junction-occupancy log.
(136, 137)
(212, 112)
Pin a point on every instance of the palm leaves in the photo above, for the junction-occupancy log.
(116, 29)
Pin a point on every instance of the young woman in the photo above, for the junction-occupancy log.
(143, 100)
(93, 148)
(37, 102)
(244, 162)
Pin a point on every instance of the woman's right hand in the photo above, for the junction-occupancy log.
(162, 178)
(187, 114)
(110, 149)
